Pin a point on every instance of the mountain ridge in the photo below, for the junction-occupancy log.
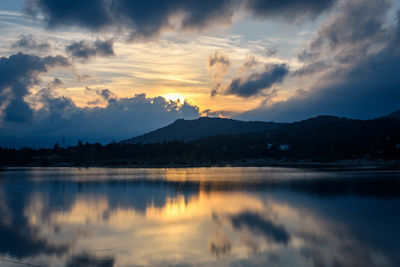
(182, 130)
(189, 130)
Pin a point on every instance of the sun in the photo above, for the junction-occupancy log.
(174, 97)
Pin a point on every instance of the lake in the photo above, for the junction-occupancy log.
(199, 216)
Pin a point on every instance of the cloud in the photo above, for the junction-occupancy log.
(218, 59)
(290, 10)
(366, 16)
(143, 19)
(146, 19)
(28, 42)
(218, 64)
(85, 51)
(56, 83)
(255, 83)
(271, 51)
(17, 74)
(120, 119)
(311, 68)
(104, 94)
(248, 64)
(246, 83)
(356, 72)
(217, 114)
(338, 48)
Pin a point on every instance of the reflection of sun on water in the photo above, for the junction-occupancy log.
(173, 208)
(203, 205)
(201, 223)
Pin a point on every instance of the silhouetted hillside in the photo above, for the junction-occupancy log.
(189, 130)
(324, 138)
(208, 141)
(394, 115)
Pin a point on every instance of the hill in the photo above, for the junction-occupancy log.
(394, 115)
(213, 141)
(189, 130)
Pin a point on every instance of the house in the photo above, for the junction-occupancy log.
(284, 147)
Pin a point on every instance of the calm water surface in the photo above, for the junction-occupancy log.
(199, 216)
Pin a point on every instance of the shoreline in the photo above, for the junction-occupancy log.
(342, 165)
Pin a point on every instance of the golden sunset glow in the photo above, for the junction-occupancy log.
(200, 133)
(174, 97)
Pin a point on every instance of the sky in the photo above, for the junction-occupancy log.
(106, 70)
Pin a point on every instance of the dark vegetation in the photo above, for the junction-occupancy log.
(320, 139)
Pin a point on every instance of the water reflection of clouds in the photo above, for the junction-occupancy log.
(258, 225)
(160, 223)
(19, 238)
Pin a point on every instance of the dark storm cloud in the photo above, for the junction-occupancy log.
(357, 70)
(142, 18)
(148, 18)
(120, 119)
(84, 50)
(255, 83)
(338, 42)
(30, 43)
(92, 14)
(260, 226)
(18, 111)
(290, 10)
(365, 16)
(17, 74)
